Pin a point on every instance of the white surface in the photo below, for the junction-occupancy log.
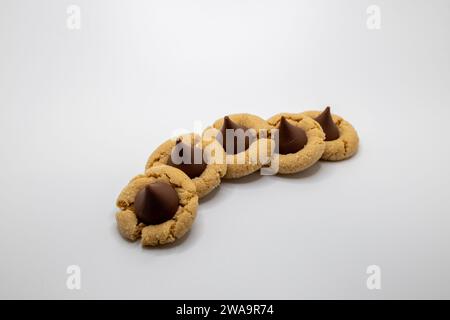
(80, 111)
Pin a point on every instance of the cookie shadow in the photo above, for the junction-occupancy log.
(303, 174)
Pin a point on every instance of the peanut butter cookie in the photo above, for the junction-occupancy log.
(300, 142)
(341, 139)
(158, 207)
(244, 138)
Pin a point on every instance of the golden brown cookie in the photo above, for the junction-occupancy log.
(309, 154)
(212, 155)
(166, 232)
(258, 153)
(346, 145)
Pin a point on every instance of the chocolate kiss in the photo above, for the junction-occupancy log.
(156, 203)
(291, 138)
(222, 138)
(196, 165)
(328, 126)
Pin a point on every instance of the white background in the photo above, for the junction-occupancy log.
(81, 110)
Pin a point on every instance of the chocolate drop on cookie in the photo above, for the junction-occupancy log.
(222, 138)
(328, 126)
(194, 165)
(156, 203)
(291, 138)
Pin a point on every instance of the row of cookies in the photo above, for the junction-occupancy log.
(160, 205)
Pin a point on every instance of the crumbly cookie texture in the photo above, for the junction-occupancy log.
(311, 152)
(249, 161)
(257, 155)
(345, 146)
(168, 231)
(215, 170)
